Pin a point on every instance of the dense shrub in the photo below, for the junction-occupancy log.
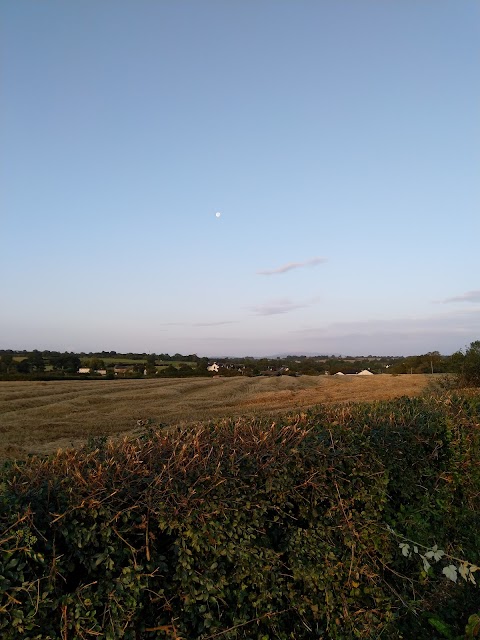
(248, 529)
(470, 367)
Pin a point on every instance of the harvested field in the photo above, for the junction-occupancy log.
(40, 417)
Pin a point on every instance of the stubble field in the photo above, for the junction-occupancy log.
(40, 417)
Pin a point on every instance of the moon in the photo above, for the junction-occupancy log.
(218, 214)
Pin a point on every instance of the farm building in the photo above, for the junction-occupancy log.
(102, 372)
(123, 369)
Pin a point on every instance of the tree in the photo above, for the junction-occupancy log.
(169, 371)
(470, 374)
(138, 368)
(456, 362)
(23, 366)
(6, 362)
(95, 364)
(150, 365)
(36, 361)
(68, 362)
(202, 364)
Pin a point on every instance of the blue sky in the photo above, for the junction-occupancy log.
(339, 140)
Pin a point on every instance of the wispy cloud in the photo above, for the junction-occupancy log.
(445, 332)
(213, 324)
(279, 306)
(469, 296)
(312, 262)
(216, 323)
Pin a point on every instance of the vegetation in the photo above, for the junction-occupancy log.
(54, 365)
(41, 416)
(467, 365)
(314, 525)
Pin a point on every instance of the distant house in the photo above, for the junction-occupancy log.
(213, 367)
(123, 369)
(365, 372)
(102, 372)
(233, 366)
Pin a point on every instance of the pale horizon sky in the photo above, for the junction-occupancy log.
(340, 141)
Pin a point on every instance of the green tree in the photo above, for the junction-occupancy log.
(68, 362)
(150, 367)
(6, 362)
(470, 374)
(202, 364)
(138, 368)
(169, 371)
(95, 364)
(184, 369)
(36, 361)
(456, 362)
(23, 366)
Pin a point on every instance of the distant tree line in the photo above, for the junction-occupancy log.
(21, 364)
(163, 357)
(36, 362)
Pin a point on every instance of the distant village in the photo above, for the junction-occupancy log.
(215, 368)
(112, 365)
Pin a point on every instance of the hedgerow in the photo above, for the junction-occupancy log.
(251, 529)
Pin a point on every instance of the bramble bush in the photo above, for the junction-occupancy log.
(317, 525)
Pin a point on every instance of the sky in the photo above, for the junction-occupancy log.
(339, 141)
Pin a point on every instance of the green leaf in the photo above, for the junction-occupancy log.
(441, 627)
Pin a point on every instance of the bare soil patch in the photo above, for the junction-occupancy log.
(40, 417)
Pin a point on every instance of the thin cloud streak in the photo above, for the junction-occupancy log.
(446, 332)
(214, 324)
(312, 262)
(199, 324)
(273, 309)
(280, 306)
(455, 322)
(469, 296)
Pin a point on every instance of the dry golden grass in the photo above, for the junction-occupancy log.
(40, 417)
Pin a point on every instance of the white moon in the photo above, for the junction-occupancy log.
(218, 214)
